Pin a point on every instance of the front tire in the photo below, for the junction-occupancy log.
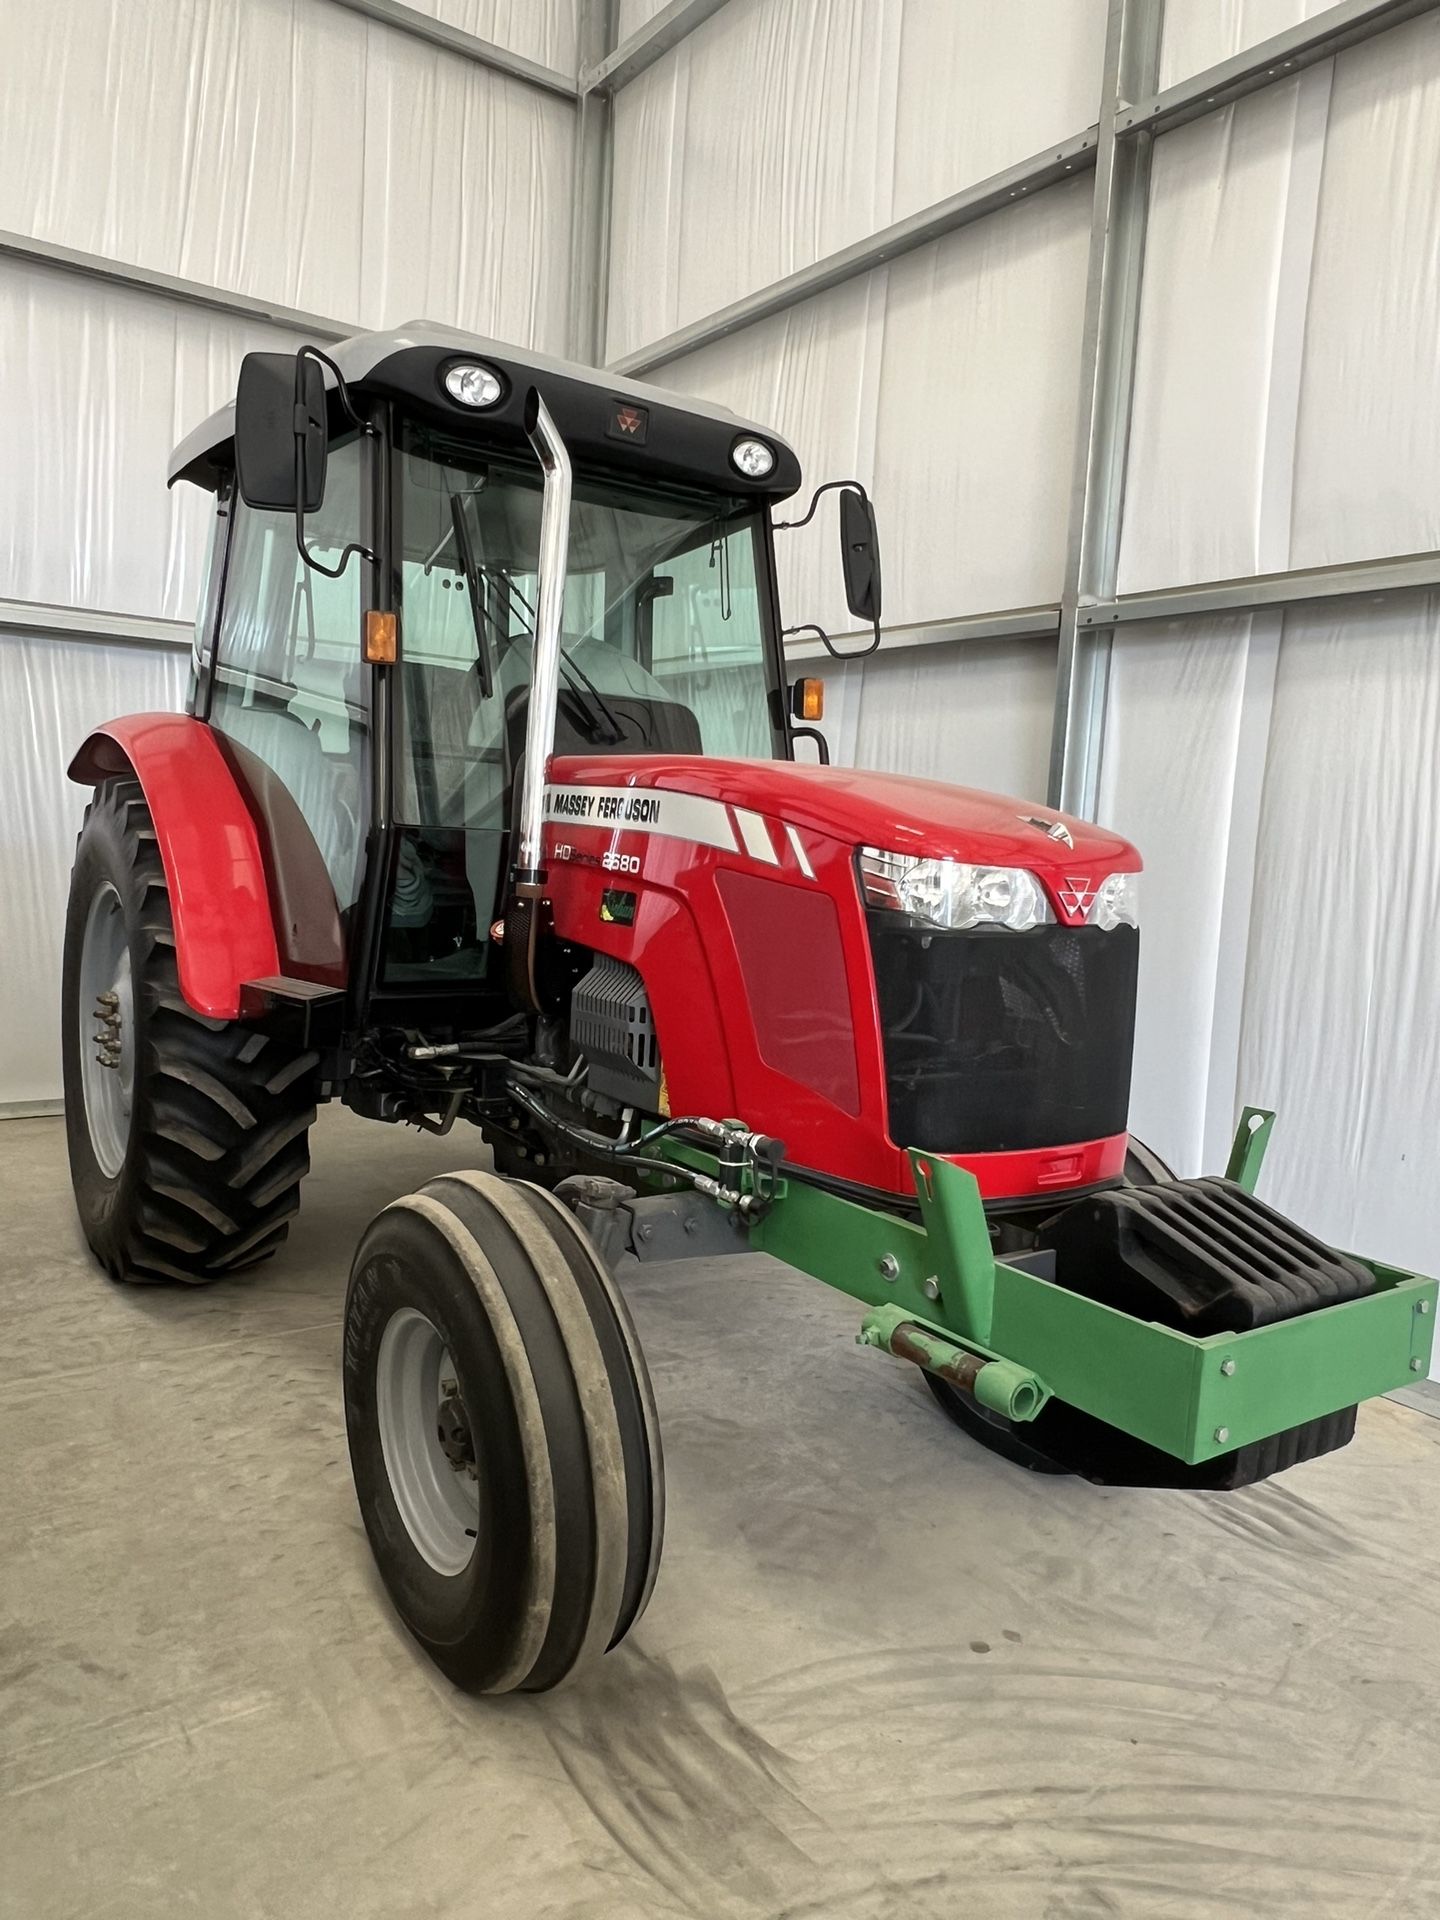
(502, 1433)
(187, 1135)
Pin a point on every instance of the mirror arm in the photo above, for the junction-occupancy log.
(361, 426)
(830, 486)
(852, 653)
(822, 745)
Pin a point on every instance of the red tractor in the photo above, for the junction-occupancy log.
(486, 808)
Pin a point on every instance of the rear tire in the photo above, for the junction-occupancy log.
(502, 1434)
(187, 1135)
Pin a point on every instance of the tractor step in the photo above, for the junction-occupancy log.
(304, 1013)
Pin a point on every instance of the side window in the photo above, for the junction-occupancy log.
(209, 592)
(288, 681)
(706, 643)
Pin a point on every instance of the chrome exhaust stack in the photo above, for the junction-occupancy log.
(526, 870)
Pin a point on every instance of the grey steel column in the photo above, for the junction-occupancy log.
(1107, 390)
(590, 205)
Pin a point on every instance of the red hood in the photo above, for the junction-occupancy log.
(888, 810)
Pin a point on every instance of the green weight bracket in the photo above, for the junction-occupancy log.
(941, 1299)
(1252, 1136)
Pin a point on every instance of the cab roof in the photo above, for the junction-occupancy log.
(607, 420)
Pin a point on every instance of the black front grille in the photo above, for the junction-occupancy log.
(1002, 1042)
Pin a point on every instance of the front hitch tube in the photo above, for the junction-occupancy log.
(999, 1385)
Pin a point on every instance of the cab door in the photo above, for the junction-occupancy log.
(288, 698)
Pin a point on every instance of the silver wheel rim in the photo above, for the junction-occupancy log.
(107, 1030)
(438, 1500)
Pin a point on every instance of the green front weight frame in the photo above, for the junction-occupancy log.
(940, 1298)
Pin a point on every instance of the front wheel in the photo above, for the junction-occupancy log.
(502, 1433)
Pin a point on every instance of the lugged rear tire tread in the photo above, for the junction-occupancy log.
(221, 1113)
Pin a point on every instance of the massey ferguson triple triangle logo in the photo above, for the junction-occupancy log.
(1075, 896)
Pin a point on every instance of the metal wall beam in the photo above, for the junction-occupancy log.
(169, 286)
(1060, 162)
(592, 194)
(1259, 66)
(1107, 387)
(1355, 580)
(1018, 623)
(672, 24)
(89, 623)
(469, 46)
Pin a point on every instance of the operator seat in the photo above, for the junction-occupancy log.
(324, 786)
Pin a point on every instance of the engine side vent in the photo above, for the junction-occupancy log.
(612, 1025)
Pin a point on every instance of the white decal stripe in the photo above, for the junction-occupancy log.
(756, 835)
(800, 854)
(677, 816)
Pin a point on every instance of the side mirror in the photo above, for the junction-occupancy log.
(280, 432)
(860, 555)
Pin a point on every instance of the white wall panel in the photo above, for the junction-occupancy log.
(1287, 384)
(947, 383)
(1340, 1031)
(103, 382)
(466, 194)
(980, 378)
(1172, 728)
(51, 693)
(973, 713)
(1222, 318)
(981, 87)
(782, 130)
(1367, 464)
(766, 172)
(543, 30)
(1202, 33)
(286, 147)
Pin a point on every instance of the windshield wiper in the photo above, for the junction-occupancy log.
(479, 612)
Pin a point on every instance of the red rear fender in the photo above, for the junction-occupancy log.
(209, 847)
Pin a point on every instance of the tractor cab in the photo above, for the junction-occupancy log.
(367, 643)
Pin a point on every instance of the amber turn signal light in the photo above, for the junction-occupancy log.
(379, 646)
(807, 700)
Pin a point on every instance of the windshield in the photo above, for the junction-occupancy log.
(663, 651)
(663, 648)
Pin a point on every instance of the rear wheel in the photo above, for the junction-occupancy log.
(502, 1433)
(187, 1135)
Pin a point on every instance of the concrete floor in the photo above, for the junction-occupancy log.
(883, 1673)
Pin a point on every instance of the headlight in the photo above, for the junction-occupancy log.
(472, 385)
(1117, 903)
(752, 458)
(947, 893)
